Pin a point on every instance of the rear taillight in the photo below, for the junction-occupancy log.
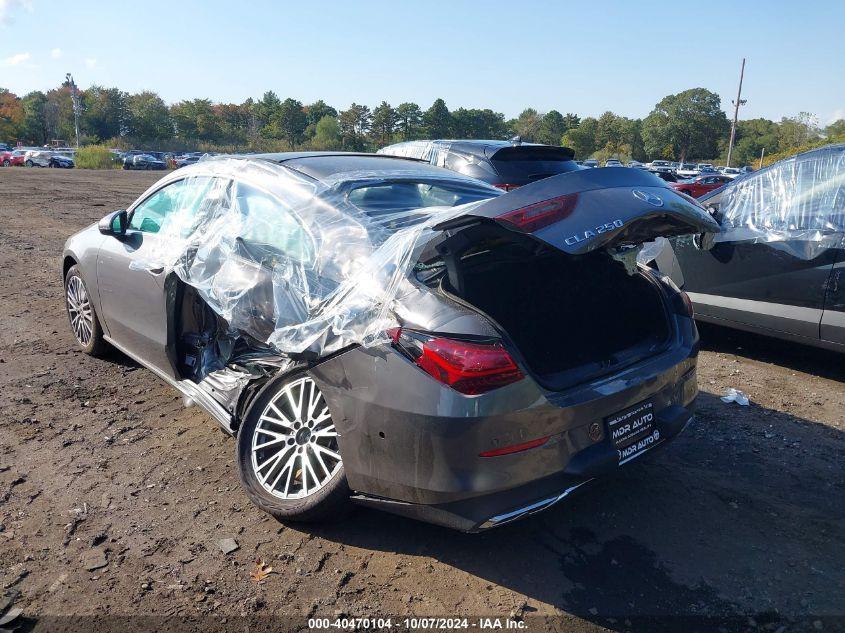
(469, 367)
(506, 187)
(541, 214)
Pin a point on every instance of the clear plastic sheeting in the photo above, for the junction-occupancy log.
(797, 204)
(306, 267)
(433, 152)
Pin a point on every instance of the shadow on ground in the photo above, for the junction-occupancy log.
(803, 358)
(704, 531)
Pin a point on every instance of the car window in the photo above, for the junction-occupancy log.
(177, 201)
(269, 227)
(807, 193)
(391, 202)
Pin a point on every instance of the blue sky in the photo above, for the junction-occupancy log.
(581, 57)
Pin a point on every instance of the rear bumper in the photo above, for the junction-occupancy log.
(488, 511)
(412, 446)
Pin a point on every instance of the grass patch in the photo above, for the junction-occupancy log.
(96, 157)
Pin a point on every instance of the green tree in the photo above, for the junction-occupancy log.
(290, 122)
(552, 128)
(409, 120)
(315, 112)
(354, 125)
(835, 129)
(480, 124)
(527, 124)
(265, 110)
(234, 120)
(149, 117)
(327, 133)
(752, 136)
(797, 131)
(437, 121)
(582, 139)
(689, 124)
(383, 124)
(104, 112)
(34, 127)
(196, 120)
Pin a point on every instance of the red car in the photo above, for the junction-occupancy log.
(698, 186)
(14, 158)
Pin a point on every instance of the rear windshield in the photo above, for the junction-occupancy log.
(523, 164)
(393, 202)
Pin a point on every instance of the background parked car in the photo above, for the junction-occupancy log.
(778, 264)
(660, 166)
(613, 162)
(143, 161)
(37, 158)
(590, 163)
(503, 164)
(61, 160)
(6, 158)
(18, 157)
(697, 187)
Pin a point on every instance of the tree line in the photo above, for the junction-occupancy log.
(690, 125)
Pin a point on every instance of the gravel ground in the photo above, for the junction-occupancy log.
(115, 498)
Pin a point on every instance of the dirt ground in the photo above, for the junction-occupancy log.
(114, 497)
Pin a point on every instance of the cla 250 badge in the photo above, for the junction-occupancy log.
(591, 233)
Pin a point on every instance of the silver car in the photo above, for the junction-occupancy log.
(385, 332)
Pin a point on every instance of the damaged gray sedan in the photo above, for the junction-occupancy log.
(380, 331)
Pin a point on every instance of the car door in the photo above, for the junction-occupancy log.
(131, 271)
(833, 320)
(770, 266)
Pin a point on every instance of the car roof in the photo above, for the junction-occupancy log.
(324, 165)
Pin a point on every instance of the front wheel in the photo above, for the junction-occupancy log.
(6, 163)
(28, 163)
(288, 456)
(80, 312)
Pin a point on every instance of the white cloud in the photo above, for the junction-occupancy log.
(56, 53)
(836, 115)
(16, 59)
(9, 7)
(90, 62)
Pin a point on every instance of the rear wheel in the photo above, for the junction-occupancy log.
(28, 163)
(6, 163)
(83, 320)
(288, 456)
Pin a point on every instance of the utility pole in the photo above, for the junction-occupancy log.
(75, 98)
(739, 101)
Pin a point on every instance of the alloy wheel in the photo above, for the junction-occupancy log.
(80, 311)
(294, 445)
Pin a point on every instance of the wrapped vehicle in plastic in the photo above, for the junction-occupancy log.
(376, 328)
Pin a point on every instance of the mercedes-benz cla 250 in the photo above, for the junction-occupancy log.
(378, 331)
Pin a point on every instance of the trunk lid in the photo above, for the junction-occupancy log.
(581, 211)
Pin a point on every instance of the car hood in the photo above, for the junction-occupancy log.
(582, 211)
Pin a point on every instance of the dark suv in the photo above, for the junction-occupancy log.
(503, 164)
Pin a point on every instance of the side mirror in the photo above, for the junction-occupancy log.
(114, 223)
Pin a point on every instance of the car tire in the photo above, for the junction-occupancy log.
(87, 332)
(6, 163)
(28, 163)
(276, 479)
